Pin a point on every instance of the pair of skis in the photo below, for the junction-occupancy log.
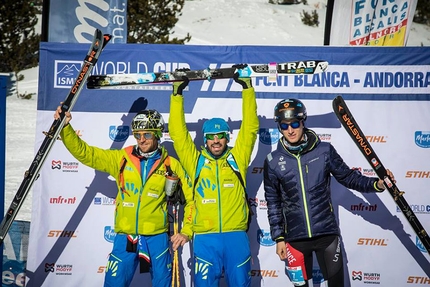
(349, 123)
(99, 42)
(271, 70)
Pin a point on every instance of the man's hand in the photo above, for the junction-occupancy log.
(178, 87)
(281, 250)
(246, 83)
(380, 183)
(178, 239)
(68, 115)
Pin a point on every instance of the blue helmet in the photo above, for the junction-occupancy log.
(215, 126)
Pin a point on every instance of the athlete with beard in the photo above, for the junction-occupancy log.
(220, 221)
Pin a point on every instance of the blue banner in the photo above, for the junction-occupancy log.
(74, 21)
(363, 73)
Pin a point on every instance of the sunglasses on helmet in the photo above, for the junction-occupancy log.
(285, 126)
(218, 135)
(146, 135)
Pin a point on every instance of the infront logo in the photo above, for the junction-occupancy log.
(362, 207)
(62, 200)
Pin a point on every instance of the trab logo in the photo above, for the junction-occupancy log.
(263, 237)
(269, 136)
(65, 73)
(119, 134)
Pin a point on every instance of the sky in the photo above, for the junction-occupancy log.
(247, 22)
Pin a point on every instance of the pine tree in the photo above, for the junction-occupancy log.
(19, 43)
(150, 21)
(422, 14)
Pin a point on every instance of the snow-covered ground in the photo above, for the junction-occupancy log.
(209, 22)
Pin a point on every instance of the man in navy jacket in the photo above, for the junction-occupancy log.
(297, 190)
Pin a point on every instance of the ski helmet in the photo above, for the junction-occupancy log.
(290, 109)
(214, 126)
(148, 120)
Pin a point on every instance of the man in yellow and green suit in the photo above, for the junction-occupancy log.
(218, 173)
(141, 216)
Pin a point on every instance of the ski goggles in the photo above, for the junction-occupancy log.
(285, 126)
(218, 135)
(145, 135)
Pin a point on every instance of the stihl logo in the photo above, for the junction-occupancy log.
(376, 139)
(264, 273)
(372, 241)
(62, 233)
(418, 280)
(417, 174)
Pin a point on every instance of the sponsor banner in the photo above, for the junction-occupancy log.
(75, 21)
(368, 22)
(374, 232)
(363, 74)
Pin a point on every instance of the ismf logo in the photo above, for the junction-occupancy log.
(263, 237)
(65, 73)
(422, 139)
(269, 136)
(119, 133)
(49, 267)
(109, 234)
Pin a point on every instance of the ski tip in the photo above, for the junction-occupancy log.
(106, 39)
(337, 104)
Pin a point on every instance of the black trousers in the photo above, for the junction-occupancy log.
(329, 256)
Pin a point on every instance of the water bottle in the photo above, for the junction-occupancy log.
(171, 184)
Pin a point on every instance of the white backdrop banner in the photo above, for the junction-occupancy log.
(387, 90)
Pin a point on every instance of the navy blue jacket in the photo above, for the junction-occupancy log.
(297, 189)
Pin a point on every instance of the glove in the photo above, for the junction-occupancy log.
(178, 87)
(244, 82)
